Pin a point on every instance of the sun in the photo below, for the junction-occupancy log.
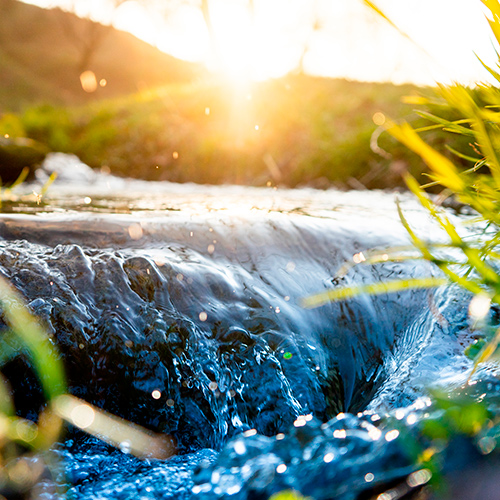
(244, 40)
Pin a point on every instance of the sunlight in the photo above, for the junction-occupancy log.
(248, 44)
(253, 40)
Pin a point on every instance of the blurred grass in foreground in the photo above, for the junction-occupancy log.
(292, 131)
(23, 441)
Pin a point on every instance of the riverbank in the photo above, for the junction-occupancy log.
(292, 131)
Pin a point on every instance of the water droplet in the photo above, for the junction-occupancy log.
(170, 403)
(203, 316)
(290, 267)
(175, 155)
(82, 416)
(419, 478)
(378, 118)
(87, 200)
(125, 446)
(392, 435)
(486, 445)
(411, 419)
(239, 447)
(213, 386)
(135, 231)
(156, 394)
(328, 458)
(369, 477)
(358, 258)
(479, 307)
(281, 468)
(211, 249)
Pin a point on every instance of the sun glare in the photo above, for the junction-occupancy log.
(258, 39)
(247, 43)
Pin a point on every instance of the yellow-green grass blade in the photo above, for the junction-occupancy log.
(46, 360)
(446, 173)
(379, 288)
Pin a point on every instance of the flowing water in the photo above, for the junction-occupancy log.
(178, 308)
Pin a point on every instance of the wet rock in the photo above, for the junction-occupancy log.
(18, 153)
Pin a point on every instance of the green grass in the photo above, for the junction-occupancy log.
(291, 131)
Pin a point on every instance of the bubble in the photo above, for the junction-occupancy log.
(156, 394)
(328, 458)
(290, 267)
(207, 110)
(103, 82)
(203, 316)
(213, 386)
(87, 200)
(170, 403)
(281, 468)
(175, 155)
(369, 477)
(211, 249)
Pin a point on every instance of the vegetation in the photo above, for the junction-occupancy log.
(292, 131)
(472, 262)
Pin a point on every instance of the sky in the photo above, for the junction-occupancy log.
(335, 38)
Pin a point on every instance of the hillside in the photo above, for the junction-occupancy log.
(42, 52)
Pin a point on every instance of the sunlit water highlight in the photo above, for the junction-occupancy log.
(177, 307)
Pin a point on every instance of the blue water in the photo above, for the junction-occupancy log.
(178, 308)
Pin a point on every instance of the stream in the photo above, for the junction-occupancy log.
(179, 308)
